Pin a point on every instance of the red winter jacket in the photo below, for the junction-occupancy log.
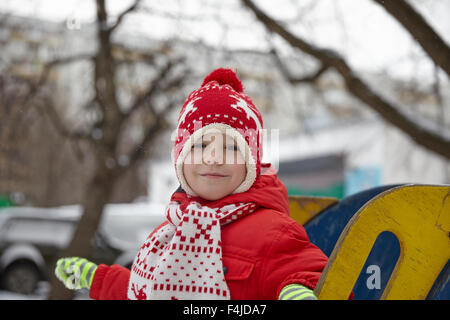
(262, 252)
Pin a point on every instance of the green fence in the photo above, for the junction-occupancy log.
(335, 190)
(5, 201)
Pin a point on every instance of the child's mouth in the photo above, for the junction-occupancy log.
(213, 175)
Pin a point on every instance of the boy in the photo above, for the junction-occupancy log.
(228, 233)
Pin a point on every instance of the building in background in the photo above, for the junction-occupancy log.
(315, 176)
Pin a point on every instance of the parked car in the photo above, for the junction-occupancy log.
(31, 239)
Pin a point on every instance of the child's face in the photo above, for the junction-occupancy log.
(214, 167)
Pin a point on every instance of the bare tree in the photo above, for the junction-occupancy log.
(106, 133)
(389, 111)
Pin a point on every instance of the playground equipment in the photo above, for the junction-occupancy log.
(401, 231)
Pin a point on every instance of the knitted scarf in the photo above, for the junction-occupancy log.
(183, 258)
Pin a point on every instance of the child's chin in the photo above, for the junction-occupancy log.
(211, 195)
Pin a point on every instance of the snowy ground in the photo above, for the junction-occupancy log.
(41, 294)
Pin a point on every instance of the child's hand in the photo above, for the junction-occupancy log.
(296, 292)
(76, 273)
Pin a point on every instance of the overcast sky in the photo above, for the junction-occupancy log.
(360, 29)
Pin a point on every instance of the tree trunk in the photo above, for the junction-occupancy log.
(97, 196)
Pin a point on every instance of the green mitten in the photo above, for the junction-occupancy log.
(296, 292)
(76, 273)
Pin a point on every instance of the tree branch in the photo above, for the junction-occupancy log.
(55, 119)
(422, 32)
(48, 66)
(123, 14)
(311, 78)
(158, 84)
(144, 148)
(388, 111)
(36, 86)
(153, 87)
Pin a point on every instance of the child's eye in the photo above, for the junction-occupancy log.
(232, 148)
(198, 146)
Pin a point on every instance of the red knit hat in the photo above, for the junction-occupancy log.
(220, 105)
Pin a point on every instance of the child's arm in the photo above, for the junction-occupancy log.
(110, 283)
(291, 259)
(104, 282)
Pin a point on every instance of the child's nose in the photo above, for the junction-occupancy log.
(213, 156)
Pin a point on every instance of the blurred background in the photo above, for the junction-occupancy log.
(357, 91)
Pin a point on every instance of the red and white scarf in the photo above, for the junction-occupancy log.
(183, 259)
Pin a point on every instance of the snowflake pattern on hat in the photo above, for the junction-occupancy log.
(220, 104)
